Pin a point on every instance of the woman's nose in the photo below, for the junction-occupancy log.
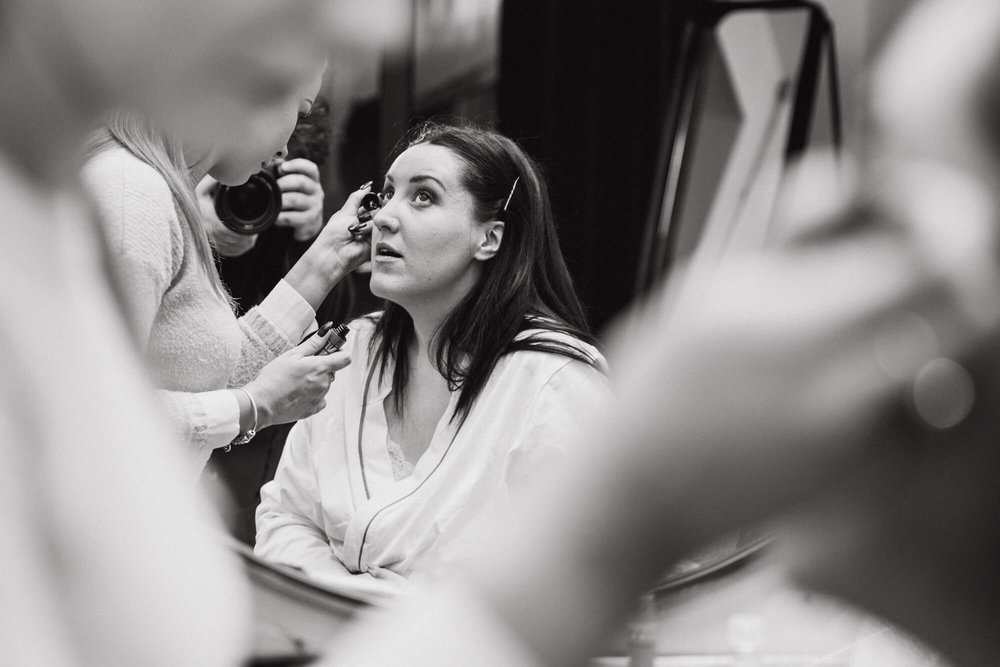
(384, 219)
(282, 154)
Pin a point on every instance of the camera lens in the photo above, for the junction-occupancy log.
(252, 207)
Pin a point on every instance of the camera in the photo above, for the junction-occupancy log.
(252, 207)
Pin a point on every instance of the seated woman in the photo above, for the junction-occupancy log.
(475, 378)
(223, 377)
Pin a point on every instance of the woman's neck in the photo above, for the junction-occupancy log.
(197, 158)
(430, 314)
(425, 329)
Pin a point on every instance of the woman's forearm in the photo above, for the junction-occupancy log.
(314, 275)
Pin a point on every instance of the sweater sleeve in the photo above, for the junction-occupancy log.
(271, 328)
(204, 420)
(210, 419)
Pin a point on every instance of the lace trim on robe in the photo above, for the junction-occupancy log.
(401, 468)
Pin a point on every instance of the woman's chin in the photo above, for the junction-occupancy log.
(230, 177)
(377, 286)
(231, 181)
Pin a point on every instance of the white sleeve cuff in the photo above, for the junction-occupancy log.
(288, 311)
(221, 417)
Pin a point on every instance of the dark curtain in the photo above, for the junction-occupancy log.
(583, 87)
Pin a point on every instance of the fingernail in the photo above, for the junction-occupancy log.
(366, 185)
(325, 329)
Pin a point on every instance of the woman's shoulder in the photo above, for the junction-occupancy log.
(135, 204)
(114, 172)
(556, 368)
(560, 347)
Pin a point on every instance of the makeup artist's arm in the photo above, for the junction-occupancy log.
(335, 253)
(288, 311)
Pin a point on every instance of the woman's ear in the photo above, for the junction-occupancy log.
(489, 240)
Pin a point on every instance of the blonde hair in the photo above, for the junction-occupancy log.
(138, 136)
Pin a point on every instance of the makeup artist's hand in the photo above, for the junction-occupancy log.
(335, 252)
(294, 385)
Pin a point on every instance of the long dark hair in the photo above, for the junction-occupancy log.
(526, 285)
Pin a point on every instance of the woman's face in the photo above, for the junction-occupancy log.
(181, 61)
(251, 141)
(176, 59)
(426, 244)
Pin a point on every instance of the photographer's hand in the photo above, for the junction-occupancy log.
(301, 198)
(227, 242)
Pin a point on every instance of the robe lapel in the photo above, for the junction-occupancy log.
(364, 543)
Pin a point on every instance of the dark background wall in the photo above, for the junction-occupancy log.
(583, 86)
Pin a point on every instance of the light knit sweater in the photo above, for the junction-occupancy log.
(195, 345)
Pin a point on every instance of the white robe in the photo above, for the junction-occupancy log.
(334, 509)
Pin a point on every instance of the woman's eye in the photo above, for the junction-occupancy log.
(423, 197)
(385, 195)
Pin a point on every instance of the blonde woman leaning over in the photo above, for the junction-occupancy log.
(224, 377)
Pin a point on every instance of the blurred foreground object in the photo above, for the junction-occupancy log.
(108, 553)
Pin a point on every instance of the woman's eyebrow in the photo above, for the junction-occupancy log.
(426, 177)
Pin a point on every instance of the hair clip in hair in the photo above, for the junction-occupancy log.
(507, 203)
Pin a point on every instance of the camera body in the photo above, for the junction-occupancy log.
(252, 207)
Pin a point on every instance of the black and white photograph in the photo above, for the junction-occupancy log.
(500, 333)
